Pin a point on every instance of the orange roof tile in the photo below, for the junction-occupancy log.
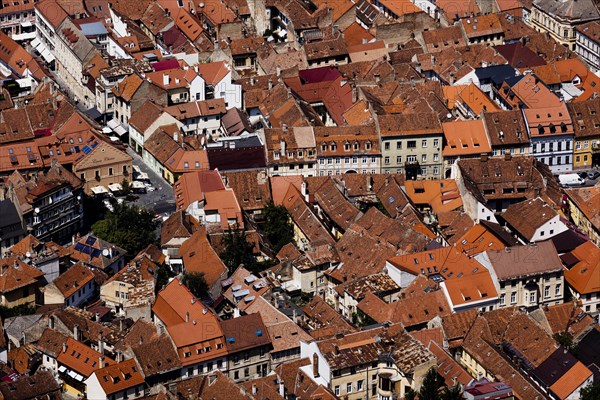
(192, 326)
(569, 382)
(355, 34)
(465, 137)
(15, 274)
(440, 195)
(199, 256)
(470, 95)
(214, 72)
(584, 276)
(81, 358)
(121, 376)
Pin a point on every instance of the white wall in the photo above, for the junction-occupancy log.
(401, 278)
(306, 351)
(549, 229)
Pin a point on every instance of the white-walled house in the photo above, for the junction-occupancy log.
(533, 220)
(217, 77)
(74, 287)
(145, 121)
(118, 381)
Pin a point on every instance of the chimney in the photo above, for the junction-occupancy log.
(252, 81)
(119, 356)
(176, 137)
(281, 389)
(97, 317)
(315, 365)
(196, 68)
(254, 390)
(270, 84)
(101, 345)
(433, 60)
(418, 67)
(187, 316)
(278, 70)
(76, 332)
(166, 79)
(64, 347)
(101, 361)
(282, 147)
(51, 322)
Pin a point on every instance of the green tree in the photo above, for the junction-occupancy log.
(566, 340)
(162, 277)
(125, 187)
(196, 283)
(129, 227)
(451, 393)
(591, 391)
(410, 394)
(430, 390)
(237, 251)
(278, 227)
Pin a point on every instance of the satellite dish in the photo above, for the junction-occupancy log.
(449, 115)
(105, 252)
(37, 210)
(28, 254)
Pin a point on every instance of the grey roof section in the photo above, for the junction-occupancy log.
(575, 10)
(9, 213)
(521, 261)
(83, 49)
(18, 327)
(93, 29)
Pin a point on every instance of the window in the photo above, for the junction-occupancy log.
(411, 159)
(246, 372)
(386, 146)
(532, 297)
(557, 290)
(411, 144)
(436, 143)
(246, 356)
(424, 158)
(236, 375)
(348, 388)
(547, 292)
(398, 159)
(337, 390)
(368, 146)
(502, 299)
(424, 171)
(398, 145)
(436, 157)
(359, 385)
(386, 160)
(424, 143)
(186, 165)
(356, 146)
(513, 297)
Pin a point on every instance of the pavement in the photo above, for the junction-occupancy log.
(162, 200)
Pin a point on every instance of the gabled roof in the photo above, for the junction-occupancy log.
(533, 260)
(214, 72)
(142, 118)
(15, 274)
(81, 358)
(527, 216)
(189, 323)
(199, 256)
(73, 279)
(120, 376)
(584, 276)
(465, 137)
(245, 333)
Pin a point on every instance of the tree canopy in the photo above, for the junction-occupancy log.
(237, 251)
(591, 391)
(129, 227)
(277, 227)
(196, 282)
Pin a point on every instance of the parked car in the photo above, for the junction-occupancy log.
(583, 175)
(593, 175)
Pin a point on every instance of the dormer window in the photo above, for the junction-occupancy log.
(346, 146)
(356, 146)
(324, 147)
(540, 129)
(368, 145)
(333, 147)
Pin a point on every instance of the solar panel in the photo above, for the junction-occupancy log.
(79, 247)
(94, 145)
(95, 252)
(90, 240)
(76, 149)
(86, 149)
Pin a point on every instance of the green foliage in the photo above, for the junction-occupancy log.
(364, 207)
(451, 393)
(94, 210)
(162, 277)
(126, 187)
(196, 283)
(410, 394)
(129, 227)
(430, 390)
(278, 228)
(359, 318)
(237, 251)
(565, 339)
(591, 391)
(8, 312)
